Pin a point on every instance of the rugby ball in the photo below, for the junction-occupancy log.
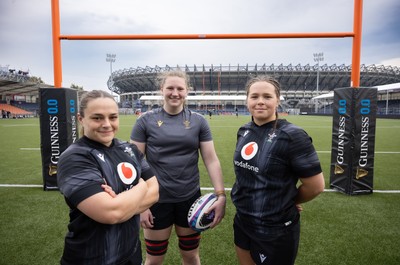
(197, 218)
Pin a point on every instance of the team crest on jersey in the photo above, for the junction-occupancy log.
(126, 172)
(249, 150)
(271, 136)
(129, 151)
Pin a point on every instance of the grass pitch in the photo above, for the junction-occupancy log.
(336, 228)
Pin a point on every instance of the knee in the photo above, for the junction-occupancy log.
(156, 247)
(189, 242)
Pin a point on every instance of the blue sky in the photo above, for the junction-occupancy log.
(26, 40)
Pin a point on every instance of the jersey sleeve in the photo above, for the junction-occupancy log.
(78, 177)
(147, 172)
(205, 131)
(138, 132)
(305, 161)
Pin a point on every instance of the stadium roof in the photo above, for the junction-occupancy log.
(227, 79)
(383, 88)
(232, 79)
(18, 83)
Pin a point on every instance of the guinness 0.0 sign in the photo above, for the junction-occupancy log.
(58, 129)
(353, 140)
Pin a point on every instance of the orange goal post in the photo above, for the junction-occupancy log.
(356, 35)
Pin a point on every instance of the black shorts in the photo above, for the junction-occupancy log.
(167, 214)
(277, 249)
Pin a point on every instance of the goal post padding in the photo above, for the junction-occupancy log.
(353, 140)
(58, 129)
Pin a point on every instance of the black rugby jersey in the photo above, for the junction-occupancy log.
(82, 168)
(268, 164)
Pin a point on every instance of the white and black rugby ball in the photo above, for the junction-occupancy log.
(197, 218)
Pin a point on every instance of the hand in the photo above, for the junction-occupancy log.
(146, 219)
(299, 207)
(219, 210)
(109, 190)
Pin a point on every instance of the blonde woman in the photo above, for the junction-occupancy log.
(171, 137)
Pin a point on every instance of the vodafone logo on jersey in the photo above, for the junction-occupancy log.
(126, 172)
(249, 150)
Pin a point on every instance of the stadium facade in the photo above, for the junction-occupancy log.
(298, 83)
(224, 83)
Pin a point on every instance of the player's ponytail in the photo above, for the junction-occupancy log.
(276, 120)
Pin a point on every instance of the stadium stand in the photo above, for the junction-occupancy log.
(15, 112)
(19, 90)
(298, 83)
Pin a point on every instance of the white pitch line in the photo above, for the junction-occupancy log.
(29, 149)
(18, 125)
(21, 186)
(387, 191)
(374, 191)
(325, 152)
(376, 152)
(203, 188)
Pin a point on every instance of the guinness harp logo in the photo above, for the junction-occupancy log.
(338, 170)
(361, 173)
(52, 170)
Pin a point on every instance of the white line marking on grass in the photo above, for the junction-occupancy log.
(225, 126)
(29, 149)
(387, 191)
(211, 189)
(374, 191)
(19, 125)
(326, 190)
(21, 186)
(376, 152)
(202, 188)
(325, 152)
(316, 126)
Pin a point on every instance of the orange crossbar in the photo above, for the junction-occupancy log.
(356, 35)
(208, 36)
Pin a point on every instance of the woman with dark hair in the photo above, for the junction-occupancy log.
(271, 157)
(106, 184)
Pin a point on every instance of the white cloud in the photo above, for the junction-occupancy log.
(26, 40)
(391, 62)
